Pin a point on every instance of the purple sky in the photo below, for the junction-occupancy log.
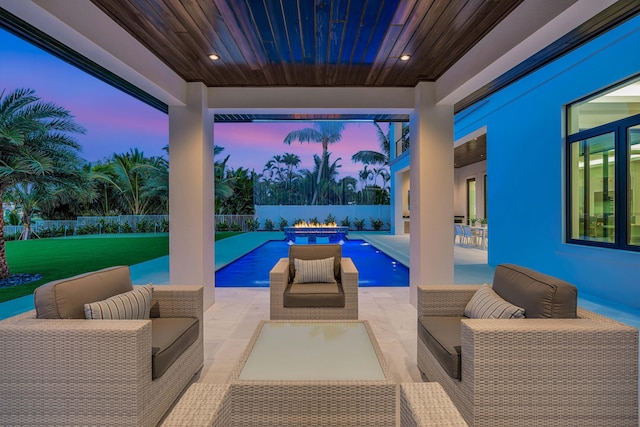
(116, 122)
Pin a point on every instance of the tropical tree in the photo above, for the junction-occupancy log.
(223, 184)
(129, 173)
(324, 133)
(36, 146)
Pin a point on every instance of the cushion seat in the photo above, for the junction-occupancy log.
(314, 295)
(170, 337)
(443, 337)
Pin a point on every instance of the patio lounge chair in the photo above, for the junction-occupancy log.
(60, 369)
(314, 300)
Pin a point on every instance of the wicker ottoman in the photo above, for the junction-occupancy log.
(427, 404)
(203, 405)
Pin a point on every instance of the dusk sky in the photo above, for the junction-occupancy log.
(116, 122)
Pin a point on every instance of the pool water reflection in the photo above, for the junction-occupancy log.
(252, 270)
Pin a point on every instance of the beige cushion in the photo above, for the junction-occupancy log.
(314, 271)
(308, 252)
(132, 305)
(539, 294)
(170, 337)
(486, 304)
(65, 299)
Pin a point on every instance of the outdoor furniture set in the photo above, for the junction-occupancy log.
(523, 353)
(61, 369)
(315, 373)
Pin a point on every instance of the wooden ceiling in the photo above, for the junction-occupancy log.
(308, 42)
(470, 152)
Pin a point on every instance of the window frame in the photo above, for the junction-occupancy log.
(622, 218)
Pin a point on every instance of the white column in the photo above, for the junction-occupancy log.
(396, 220)
(431, 176)
(191, 207)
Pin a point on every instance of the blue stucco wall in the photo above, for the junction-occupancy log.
(525, 163)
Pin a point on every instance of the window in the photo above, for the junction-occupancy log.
(603, 169)
(471, 198)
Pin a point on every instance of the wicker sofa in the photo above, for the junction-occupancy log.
(546, 369)
(67, 370)
(320, 301)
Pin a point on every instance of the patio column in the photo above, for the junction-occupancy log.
(191, 207)
(395, 185)
(431, 177)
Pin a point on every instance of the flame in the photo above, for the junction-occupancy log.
(306, 224)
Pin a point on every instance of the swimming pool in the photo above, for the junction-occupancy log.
(252, 270)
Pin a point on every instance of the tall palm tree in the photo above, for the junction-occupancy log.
(324, 133)
(37, 147)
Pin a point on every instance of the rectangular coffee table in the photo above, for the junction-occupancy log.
(314, 373)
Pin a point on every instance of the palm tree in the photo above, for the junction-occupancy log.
(222, 182)
(323, 132)
(37, 147)
(382, 157)
(130, 172)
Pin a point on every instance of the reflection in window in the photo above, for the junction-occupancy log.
(633, 185)
(593, 189)
(615, 104)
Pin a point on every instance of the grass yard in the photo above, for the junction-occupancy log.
(59, 258)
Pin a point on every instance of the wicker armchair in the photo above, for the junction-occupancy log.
(62, 372)
(281, 276)
(532, 372)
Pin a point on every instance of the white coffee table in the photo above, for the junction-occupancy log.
(314, 373)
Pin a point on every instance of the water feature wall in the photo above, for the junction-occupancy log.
(340, 212)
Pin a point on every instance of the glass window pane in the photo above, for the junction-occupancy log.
(593, 189)
(617, 103)
(633, 186)
(471, 198)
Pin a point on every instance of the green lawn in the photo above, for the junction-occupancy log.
(60, 258)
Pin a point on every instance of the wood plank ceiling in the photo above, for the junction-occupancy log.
(308, 42)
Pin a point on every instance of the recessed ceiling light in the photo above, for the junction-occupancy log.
(405, 57)
(214, 57)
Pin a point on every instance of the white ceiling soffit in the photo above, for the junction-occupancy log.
(534, 25)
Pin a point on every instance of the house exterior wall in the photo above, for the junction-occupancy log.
(461, 175)
(525, 162)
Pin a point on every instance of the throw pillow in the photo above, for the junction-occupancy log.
(487, 304)
(132, 305)
(314, 271)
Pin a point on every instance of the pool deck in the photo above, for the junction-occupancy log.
(470, 266)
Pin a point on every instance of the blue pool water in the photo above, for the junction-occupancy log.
(252, 270)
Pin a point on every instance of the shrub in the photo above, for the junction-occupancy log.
(235, 227)
(330, 219)
(164, 226)
(346, 222)
(358, 223)
(282, 224)
(268, 224)
(222, 226)
(314, 220)
(298, 221)
(376, 223)
(126, 228)
(252, 224)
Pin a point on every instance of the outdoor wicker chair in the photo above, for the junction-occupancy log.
(338, 300)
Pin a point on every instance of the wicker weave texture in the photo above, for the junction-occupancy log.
(279, 278)
(552, 372)
(427, 404)
(80, 372)
(202, 405)
(314, 402)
